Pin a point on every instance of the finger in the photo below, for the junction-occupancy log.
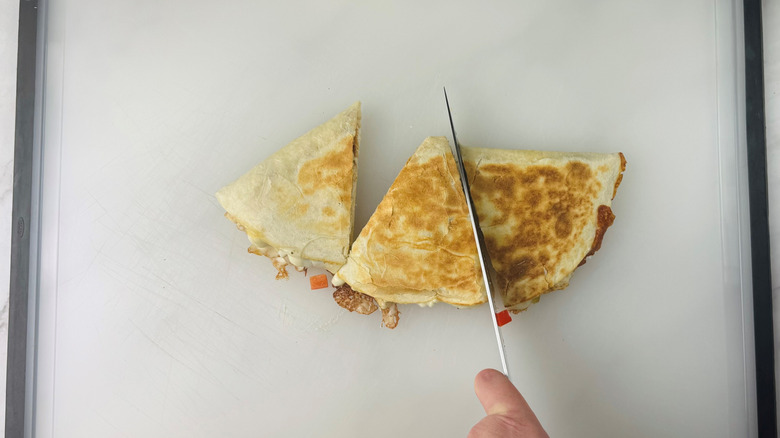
(500, 397)
(499, 426)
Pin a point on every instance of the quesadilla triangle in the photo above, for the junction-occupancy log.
(542, 214)
(418, 246)
(298, 206)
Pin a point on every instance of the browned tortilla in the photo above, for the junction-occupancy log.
(297, 207)
(541, 213)
(418, 246)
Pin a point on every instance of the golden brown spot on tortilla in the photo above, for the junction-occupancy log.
(420, 235)
(522, 267)
(578, 172)
(563, 225)
(301, 208)
(331, 170)
(534, 174)
(533, 198)
(471, 169)
(531, 218)
(327, 211)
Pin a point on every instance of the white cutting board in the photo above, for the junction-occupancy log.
(155, 322)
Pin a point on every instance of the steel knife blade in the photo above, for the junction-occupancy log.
(484, 257)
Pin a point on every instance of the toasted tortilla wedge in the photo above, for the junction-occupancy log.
(297, 207)
(542, 214)
(418, 246)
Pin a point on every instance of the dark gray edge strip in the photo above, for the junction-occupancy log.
(759, 221)
(16, 378)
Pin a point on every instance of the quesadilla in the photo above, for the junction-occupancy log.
(418, 246)
(542, 214)
(297, 207)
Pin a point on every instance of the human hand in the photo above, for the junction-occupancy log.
(508, 414)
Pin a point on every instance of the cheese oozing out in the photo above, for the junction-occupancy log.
(283, 257)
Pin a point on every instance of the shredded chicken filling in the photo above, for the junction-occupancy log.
(354, 301)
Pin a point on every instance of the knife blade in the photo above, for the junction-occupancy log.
(484, 257)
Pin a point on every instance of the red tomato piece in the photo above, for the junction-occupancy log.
(318, 281)
(503, 318)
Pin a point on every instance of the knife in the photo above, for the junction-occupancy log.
(484, 257)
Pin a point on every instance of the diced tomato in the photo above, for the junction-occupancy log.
(503, 318)
(318, 281)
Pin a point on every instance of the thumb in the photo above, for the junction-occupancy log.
(508, 414)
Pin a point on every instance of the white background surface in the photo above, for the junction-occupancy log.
(135, 401)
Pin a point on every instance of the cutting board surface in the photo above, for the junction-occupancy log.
(165, 326)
